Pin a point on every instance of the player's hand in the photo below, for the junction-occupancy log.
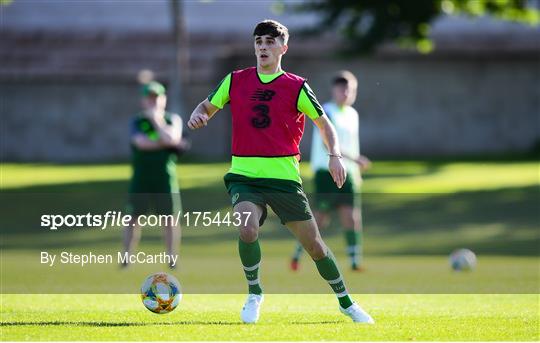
(363, 162)
(197, 121)
(337, 170)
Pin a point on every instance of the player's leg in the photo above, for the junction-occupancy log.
(132, 236)
(322, 218)
(172, 234)
(250, 255)
(323, 186)
(247, 199)
(248, 243)
(308, 234)
(138, 204)
(350, 219)
(290, 203)
(168, 206)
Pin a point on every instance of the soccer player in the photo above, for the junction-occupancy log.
(156, 136)
(327, 196)
(268, 107)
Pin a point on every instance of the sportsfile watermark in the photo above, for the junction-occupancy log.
(120, 220)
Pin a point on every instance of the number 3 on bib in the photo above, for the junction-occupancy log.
(261, 119)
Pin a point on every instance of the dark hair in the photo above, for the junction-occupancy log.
(272, 28)
(345, 77)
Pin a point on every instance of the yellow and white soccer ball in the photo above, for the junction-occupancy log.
(161, 293)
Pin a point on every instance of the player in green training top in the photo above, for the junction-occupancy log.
(327, 195)
(268, 107)
(155, 138)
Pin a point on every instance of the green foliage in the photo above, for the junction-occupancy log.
(367, 24)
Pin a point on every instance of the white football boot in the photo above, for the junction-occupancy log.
(251, 310)
(357, 314)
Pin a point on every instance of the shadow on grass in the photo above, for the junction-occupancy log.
(501, 221)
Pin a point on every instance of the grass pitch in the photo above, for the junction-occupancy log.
(284, 317)
(415, 213)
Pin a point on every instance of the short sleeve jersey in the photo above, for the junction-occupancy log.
(154, 171)
(285, 167)
(345, 120)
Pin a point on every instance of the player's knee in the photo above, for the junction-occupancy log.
(348, 223)
(249, 233)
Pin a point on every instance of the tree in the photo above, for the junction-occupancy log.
(366, 24)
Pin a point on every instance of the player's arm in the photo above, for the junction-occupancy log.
(207, 108)
(141, 141)
(330, 139)
(363, 162)
(202, 114)
(310, 106)
(169, 135)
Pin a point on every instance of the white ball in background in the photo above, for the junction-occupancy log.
(462, 259)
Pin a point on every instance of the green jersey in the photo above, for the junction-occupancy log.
(154, 171)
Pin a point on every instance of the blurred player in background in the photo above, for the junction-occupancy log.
(327, 195)
(156, 136)
(268, 107)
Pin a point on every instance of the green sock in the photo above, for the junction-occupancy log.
(250, 255)
(298, 250)
(329, 271)
(354, 246)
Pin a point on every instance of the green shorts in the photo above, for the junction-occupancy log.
(153, 192)
(328, 195)
(286, 197)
